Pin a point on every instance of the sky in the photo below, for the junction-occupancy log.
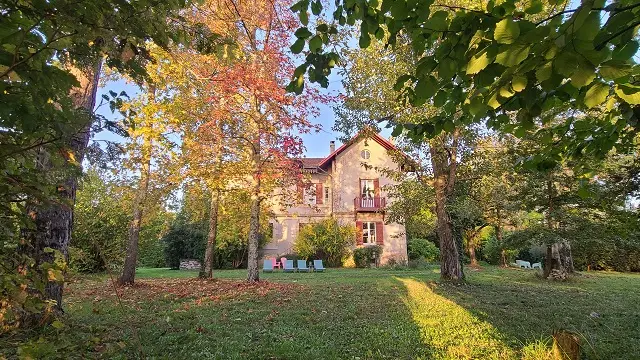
(317, 144)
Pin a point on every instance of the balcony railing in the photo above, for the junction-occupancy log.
(369, 203)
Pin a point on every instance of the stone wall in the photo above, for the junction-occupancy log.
(189, 264)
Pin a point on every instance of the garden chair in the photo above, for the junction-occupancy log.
(302, 266)
(267, 266)
(282, 261)
(276, 264)
(536, 265)
(523, 264)
(317, 266)
(288, 266)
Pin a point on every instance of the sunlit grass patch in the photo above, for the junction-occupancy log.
(450, 329)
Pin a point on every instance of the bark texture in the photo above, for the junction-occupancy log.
(207, 271)
(444, 165)
(253, 274)
(53, 221)
(129, 270)
(559, 262)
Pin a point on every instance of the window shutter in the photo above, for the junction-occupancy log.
(376, 187)
(359, 232)
(319, 194)
(380, 233)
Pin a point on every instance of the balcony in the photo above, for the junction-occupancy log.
(369, 203)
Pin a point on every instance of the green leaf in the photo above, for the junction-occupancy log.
(297, 46)
(365, 40)
(626, 51)
(583, 77)
(614, 69)
(478, 62)
(401, 81)
(437, 21)
(316, 7)
(315, 44)
(512, 55)
(302, 33)
(448, 126)
(447, 69)
(629, 94)
(596, 94)
(440, 99)
(399, 10)
(493, 100)
(426, 87)
(304, 18)
(590, 27)
(544, 72)
(534, 8)
(518, 83)
(477, 106)
(507, 31)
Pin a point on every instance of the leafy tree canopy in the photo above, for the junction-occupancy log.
(508, 64)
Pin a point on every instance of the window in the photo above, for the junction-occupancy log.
(326, 194)
(367, 189)
(365, 154)
(368, 232)
(310, 195)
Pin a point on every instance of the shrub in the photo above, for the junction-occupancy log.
(367, 255)
(492, 251)
(152, 254)
(326, 240)
(423, 249)
(183, 241)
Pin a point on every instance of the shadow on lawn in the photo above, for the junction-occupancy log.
(514, 316)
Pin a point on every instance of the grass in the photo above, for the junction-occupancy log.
(341, 314)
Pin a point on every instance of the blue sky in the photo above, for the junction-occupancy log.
(317, 144)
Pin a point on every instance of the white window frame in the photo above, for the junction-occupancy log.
(369, 233)
(365, 154)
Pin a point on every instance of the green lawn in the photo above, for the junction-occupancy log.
(343, 314)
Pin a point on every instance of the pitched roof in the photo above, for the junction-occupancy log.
(310, 162)
(373, 136)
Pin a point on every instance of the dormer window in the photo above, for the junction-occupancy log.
(365, 154)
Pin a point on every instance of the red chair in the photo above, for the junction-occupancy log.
(276, 264)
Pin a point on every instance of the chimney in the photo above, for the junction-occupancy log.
(332, 146)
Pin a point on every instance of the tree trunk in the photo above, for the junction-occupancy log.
(559, 261)
(129, 270)
(207, 271)
(503, 251)
(53, 221)
(253, 274)
(472, 254)
(443, 164)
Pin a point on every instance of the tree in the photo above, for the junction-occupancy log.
(370, 97)
(50, 61)
(501, 65)
(249, 92)
(326, 240)
(489, 174)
